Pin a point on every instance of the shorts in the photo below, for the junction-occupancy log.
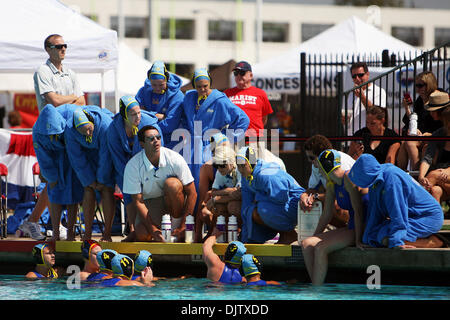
(156, 209)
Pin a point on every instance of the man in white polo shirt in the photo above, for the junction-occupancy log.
(160, 182)
(53, 82)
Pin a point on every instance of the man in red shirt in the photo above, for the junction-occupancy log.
(253, 101)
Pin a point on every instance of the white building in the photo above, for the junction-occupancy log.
(205, 33)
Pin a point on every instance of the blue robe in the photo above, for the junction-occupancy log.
(52, 155)
(168, 103)
(216, 112)
(275, 194)
(91, 161)
(399, 208)
(119, 145)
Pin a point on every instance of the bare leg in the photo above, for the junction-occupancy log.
(316, 249)
(108, 205)
(412, 147)
(55, 216)
(40, 206)
(174, 197)
(131, 217)
(72, 211)
(402, 156)
(88, 211)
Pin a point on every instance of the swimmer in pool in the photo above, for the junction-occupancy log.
(252, 268)
(218, 270)
(123, 270)
(89, 250)
(104, 259)
(44, 256)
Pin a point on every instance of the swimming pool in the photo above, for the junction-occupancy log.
(14, 287)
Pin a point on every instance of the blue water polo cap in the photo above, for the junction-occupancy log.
(158, 71)
(80, 118)
(248, 154)
(250, 265)
(234, 252)
(38, 253)
(104, 259)
(127, 102)
(329, 160)
(123, 265)
(142, 260)
(201, 74)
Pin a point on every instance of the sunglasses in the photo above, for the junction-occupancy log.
(239, 72)
(420, 85)
(58, 46)
(219, 166)
(152, 138)
(359, 75)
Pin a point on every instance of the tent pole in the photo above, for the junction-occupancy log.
(102, 97)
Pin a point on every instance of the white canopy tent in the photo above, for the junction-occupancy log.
(24, 24)
(352, 36)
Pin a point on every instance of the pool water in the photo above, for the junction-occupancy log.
(14, 287)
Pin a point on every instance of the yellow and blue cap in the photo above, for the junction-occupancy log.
(123, 265)
(329, 160)
(158, 71)
(201, 74)
(126, 103)
(234, 252)
(142, 260)
(250, 265)
(80, 118)
(104, 259)
(38, 253)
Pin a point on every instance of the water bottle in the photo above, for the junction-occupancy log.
(220, 225)
(232, 228)
(413, 124)
(166, 228)
(189, 233)
(308, 220)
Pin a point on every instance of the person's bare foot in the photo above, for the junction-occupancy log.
(131, 237)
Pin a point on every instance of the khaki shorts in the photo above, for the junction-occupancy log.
(156, 209)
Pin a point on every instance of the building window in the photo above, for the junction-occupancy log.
(410, 35)
(183, 29)
(310, 30)
(183, 69)
(441, 36)
(222, 30)
(275, 32)
(135, 27)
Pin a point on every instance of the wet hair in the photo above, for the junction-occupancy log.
(357, 65)
(47, 42)
(317, 143)
(429, 79)
(141, 132)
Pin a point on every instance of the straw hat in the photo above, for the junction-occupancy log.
(438, 100)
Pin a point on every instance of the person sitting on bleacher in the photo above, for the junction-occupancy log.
(434, 170)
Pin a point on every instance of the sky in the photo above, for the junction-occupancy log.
(430, 4)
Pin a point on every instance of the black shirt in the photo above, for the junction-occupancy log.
(380, 152)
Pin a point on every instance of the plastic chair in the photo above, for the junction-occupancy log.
(3, 202)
